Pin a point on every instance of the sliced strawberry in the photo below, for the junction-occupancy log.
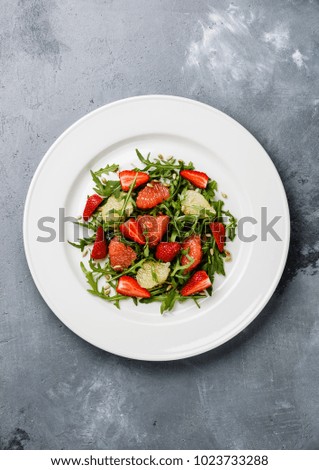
(152, 195)
(197, 178)
(132, 230)
(99, 250)
(194, 249)
(218, 231)
(129, 286)
(91, 205)
(128, 176)
(197, 283)
(153, 228)
(166, 251)
(121, 256)
(99, 234)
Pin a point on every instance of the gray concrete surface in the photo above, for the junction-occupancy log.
(257, 61)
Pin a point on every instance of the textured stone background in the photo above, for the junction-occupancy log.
(257, 61)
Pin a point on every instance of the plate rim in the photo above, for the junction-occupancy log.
(199, 349)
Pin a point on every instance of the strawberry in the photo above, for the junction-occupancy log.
(127, 177)
(153, 227)
(218, 231)
(197, 178)
(132, 230)
(91, 205)
(197, 283)
(152, 195)
(121, 256)
(194, 249)
(166, 251)
(129, 286)
(99, 234)
(99, 250)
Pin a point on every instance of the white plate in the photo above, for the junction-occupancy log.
(188, 130)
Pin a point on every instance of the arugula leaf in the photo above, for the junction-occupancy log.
(160, 168)
(218, 206)
(106, 170)
(146, 161)
(169, 301)
(231, 226)
(218, 262)
(209, 192)
(105, 189)
(83, 242)
(93, 283)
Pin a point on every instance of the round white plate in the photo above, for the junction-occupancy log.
(188, 130)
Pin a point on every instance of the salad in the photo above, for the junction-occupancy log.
(156, 233)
